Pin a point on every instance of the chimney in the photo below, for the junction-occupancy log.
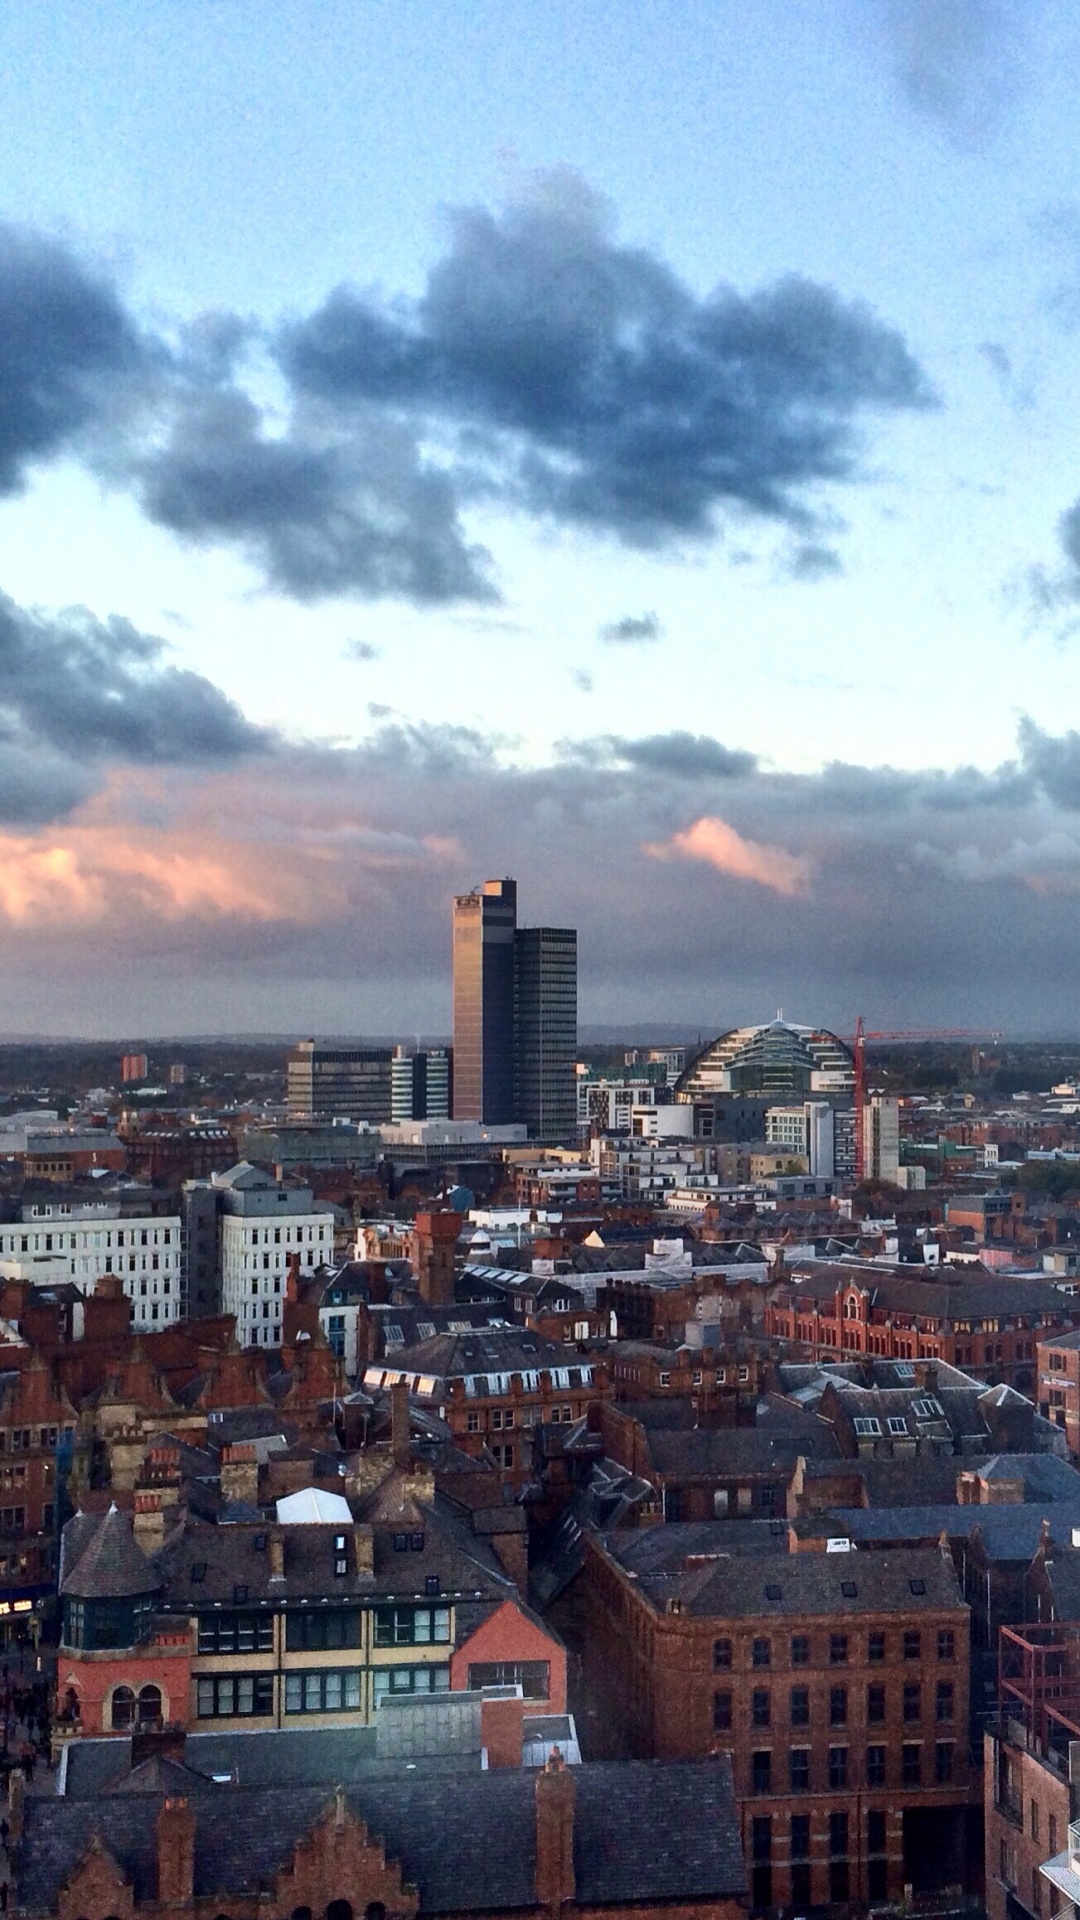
(148, 1521)
(277, 1556)
(364, 1546)
(240, 1474)
(555, 1884)
(292, 1281)
(400, 1438)
(501, 1728)
(176, 1853)
(169, 1742)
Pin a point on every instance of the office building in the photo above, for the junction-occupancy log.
(881, 1140)
(515, 1016)
(77, 1242)
(545, 1032)
(808, 1131)
(485, 923)
(346, 1083)
(421, 1081)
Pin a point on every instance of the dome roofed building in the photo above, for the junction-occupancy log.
(778, 1061)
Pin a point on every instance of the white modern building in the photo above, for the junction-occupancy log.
(74, 1243)
(264, 1224)
(809, 1130)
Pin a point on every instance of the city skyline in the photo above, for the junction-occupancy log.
(658, 471)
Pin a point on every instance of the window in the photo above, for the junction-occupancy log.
(1051, 1833)
(1033, 1819)
(800, 1650)
(913, 1701)
(800, 1884)
(838, 1706)
(875, 1832)
(875, 1705)
(912, 1645)
(123, 1709)
(721, 1654)
(148, 1706)
(760, 1707)
(875, 1649)
(532, 1676)
(222, 1696)
(839, 1880)
(800, 1836)
(918, 1588)
(800, 1770)
(721, 1712)
(774, 1593)
(236, 1633)
(411, 1626)
(927, 1409)
(838, 1767)
(898, 1426)
(761, 1838)
(838, 1835)
(875, 1766)
(838, 1647)
(319, 1691)
(761, 1770)
(316, 1632)
(946, 1644)
(849, 1590)
(943, 1762)
(761, 1653)
(944, 1703)
(911, 1766)
(867, 1427)
(800, 1706)
(395, 1680)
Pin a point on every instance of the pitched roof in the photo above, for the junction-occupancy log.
(110, 1565)
(712, 1580)
(644, 1832)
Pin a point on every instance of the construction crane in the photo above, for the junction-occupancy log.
(858, 1048)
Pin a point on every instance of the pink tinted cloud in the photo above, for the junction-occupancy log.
(720, 846)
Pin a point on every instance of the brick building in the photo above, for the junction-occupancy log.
(1029, 1793)
(988, 1327)
(838, 1684)
(1057, 1388)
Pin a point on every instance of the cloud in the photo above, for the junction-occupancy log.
(812, 560)
(93, 689)
(67, 349)
(680, 756)
(957, 61)
(361, 650)
(720, 846)
(579, 380)
(631, 630)
(582, 679)
(318, 511)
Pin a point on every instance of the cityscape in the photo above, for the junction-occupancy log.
(539, 1033)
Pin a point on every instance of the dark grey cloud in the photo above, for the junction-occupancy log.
(318, 513)
(66, 348)
(958, 61)
(75, 691)
(632, 630)
(813, 560)
(675, 756)
(585, 383)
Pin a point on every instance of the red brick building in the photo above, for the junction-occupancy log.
(838, 1684)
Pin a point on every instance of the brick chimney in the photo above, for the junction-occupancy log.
(555, 1884)
(400, 1436)
(176, 1853)
(240, 1473)
(148, 1520)
(434, 1247)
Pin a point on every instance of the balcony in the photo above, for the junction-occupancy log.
(1063, 1871)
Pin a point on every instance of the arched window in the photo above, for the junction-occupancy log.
(72, 1709)
(123, 1709)
(301, 1913)
(375, 1911)
(149, 1706)
(339, 1910)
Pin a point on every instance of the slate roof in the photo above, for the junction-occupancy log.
(488, 1350)
(708, 1579)
(1063, 1574)
(948, 1295)
(104, 1563)
(727, 1451)
(644, 1833)
(1008, 1533)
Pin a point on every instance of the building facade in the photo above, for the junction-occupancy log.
(348, 1083)
(545, 1032)
(485, 923)
(79, 1241)
(265, 1228)
(421, 1083)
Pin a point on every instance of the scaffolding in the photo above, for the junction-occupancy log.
(1039, 1689)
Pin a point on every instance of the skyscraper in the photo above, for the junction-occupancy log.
(545, 1032)
(515, 1016)
(484, 926)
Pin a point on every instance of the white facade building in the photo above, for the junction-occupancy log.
(881, 1140)
(60, 1243)
(263, 1224)
(808, 1129)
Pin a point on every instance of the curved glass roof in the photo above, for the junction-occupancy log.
(777, 1061)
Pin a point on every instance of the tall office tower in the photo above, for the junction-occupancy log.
(881, 1139)
(421, 1082)
(545, 1032)
(484, 927)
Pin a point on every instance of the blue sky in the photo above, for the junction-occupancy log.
(879, 578)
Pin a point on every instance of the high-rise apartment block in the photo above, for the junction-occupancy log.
(515, 1016)
(881, 1140)
(133, 1066)
(339, 1083)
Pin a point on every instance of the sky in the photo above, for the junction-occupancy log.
(630, 447)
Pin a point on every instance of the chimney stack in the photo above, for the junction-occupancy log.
(400, 1437)
(176, 1853)
(555, 1884)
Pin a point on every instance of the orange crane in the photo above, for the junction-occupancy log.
(858, 1049)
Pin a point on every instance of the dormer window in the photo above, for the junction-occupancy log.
(341, 1558)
